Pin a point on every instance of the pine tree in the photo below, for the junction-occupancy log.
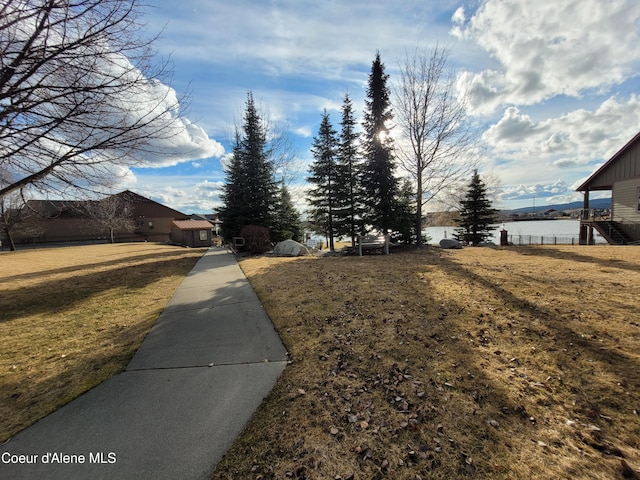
(287, 220)
(380, 184)
(236, 210)
(324, 172)
(404, 220)
(250, 192)
(476, 214)
(349, 191)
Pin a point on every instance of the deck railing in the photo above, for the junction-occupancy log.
(588, 215)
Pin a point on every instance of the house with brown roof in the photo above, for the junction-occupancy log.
(138, 219)
(191, 233)
(621, 175)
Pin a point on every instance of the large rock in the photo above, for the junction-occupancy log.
(450, 243)
(290, 248)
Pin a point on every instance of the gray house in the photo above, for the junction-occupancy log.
(621, 175)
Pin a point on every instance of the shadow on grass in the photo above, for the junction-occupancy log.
(79, 268)
(582, 257)
(618, 363)
(392, 356)
(24, 401)
(424, 374)
(27, 395)
(57, 295)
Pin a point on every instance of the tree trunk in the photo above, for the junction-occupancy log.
(12, 245)
(419, 210)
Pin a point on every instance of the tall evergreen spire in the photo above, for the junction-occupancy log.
(324, 175)
(379, 181)
(249, 194)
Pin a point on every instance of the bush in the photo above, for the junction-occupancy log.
(256, 239)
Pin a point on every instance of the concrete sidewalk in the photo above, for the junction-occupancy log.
(191, 387)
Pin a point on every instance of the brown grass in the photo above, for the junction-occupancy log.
(72, 317)
(482, 363)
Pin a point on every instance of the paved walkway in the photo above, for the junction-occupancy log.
(191, 387)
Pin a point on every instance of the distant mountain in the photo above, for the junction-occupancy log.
(595, 203)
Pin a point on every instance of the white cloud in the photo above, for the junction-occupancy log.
(225, 161)
(512, 128)
(303, 131)
(177, 139)
(542, 158)
(548, 48)
(186, 194)
(556, 189)
(293, 37)
(524, 62)
(458, 16)
(580, 136)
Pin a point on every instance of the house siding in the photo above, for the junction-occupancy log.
(625, 205)
(623, 165)
(628, 166)
(159, 232)
(190, 238)
(153, 222)
(621, 175)
(188, 233)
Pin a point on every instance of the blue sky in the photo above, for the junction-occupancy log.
(555, 84)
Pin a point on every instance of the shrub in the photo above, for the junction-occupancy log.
(256, 239)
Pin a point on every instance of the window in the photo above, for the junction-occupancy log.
(638, 202)
(150, 225)
(203, 235)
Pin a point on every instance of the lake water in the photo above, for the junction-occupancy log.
(537, 232)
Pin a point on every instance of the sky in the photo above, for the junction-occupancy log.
(554, 85)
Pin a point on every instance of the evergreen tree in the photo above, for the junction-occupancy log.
(404, 220)
(235, 213)
(249, 194)
(476, 214)
(380, 184)
(324, 172)
(350, 209)
(287, 220)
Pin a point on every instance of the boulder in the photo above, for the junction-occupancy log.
(450, 243)
(290, 248)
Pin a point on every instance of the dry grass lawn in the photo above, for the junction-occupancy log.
(72, 317)
(514, 363)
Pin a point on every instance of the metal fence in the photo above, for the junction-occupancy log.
(543, 239)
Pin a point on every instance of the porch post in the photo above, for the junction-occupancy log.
(585, 204)
(584, 228)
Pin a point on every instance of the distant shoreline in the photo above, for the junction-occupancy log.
(536, 219)
(507, 220)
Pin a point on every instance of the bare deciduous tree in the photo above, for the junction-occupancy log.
(78, 94)
(113, 214)
(17, 219)
(438, 144)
